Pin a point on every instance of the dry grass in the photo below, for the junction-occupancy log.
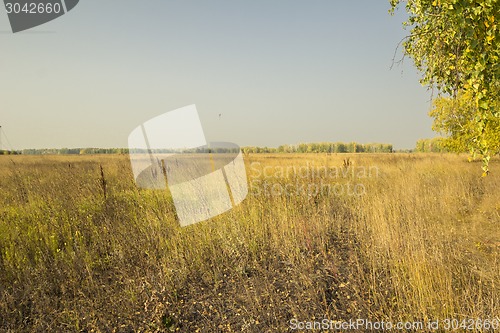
(82, 250)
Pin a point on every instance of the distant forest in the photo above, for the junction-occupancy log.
(325, 147)
(322, 147)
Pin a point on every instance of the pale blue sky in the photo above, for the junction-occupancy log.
(281, 71)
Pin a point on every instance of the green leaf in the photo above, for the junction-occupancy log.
(484, 105)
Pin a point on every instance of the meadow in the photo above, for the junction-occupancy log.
(392, 237)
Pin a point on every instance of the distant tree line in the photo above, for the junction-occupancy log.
(322, 147)
(325, 147)
(74, 151)
(9, 152)
(90, 151)
(434, 145)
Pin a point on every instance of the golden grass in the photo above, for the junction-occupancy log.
(79, 252)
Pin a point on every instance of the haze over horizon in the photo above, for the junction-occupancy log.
(278, 73)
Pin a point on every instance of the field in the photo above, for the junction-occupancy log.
(392, 237)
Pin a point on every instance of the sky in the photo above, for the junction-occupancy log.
(277, 72)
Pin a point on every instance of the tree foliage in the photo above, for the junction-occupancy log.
(456, 46)
(455, 119)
